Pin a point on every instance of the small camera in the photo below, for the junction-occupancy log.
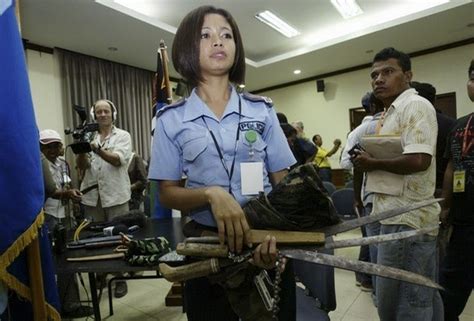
(354, 151)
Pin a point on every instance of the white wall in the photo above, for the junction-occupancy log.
(327, 113)
(43, 71)
(322, 113)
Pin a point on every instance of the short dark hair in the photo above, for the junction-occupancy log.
(282, 118)
(425, 90)
(288, 130)
(186, 46)
(471, 68)
(387, 53)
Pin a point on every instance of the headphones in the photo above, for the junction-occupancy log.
(111, 104)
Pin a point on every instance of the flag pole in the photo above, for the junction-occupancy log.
(35, 272)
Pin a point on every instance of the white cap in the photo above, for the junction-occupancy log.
(48, 136)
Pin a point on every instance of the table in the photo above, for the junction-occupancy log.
(170, 228)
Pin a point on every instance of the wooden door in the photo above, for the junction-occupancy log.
(447, 104)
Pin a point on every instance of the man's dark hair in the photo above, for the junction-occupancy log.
(471, 68)
(425, 90)
(282, 118)
(387, 53)
(314, 137)
(288, 130)
(186, 46)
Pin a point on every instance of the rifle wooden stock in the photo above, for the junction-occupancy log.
(190, 271)
(288, 237)
(199, 249)
(202, 249)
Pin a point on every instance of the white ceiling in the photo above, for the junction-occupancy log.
(327, 42)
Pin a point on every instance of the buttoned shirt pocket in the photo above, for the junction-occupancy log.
(194, 147)
(198, 163)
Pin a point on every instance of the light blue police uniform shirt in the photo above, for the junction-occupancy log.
(183, 145)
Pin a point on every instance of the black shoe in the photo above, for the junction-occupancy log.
(121, 289)
(77, 311)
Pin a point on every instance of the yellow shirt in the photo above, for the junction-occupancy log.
(321, 159)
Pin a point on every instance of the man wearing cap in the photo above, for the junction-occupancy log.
(54, 207)
(106, 171)
(58, 193)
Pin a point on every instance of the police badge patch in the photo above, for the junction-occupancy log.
(257, 126)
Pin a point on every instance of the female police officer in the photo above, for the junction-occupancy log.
(228, 145)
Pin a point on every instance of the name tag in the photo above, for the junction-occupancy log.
(251, 177)
(459, 179)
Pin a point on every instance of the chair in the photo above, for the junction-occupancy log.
(330, 188)
(343, 200)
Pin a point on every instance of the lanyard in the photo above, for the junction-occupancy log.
(219, 150)
(465, 146)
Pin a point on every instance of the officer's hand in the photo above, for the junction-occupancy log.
(230, 218)
(265, 254)
(94, 146)
(363, 161)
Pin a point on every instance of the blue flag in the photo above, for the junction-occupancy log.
(21, 179)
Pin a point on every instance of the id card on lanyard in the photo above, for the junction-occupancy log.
(251, 172)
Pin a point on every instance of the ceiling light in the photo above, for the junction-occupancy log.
(276, 23)
(347, 8)
(297, 72)
(242, 86)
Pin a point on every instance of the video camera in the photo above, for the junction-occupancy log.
(81, 133)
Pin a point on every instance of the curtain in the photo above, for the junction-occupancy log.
(86, 79)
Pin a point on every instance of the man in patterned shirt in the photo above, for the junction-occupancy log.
(412, 120)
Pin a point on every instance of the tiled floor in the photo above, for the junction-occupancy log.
(145, 299)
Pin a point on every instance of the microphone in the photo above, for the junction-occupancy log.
(115, 230)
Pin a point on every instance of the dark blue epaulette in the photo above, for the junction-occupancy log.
(255, 98)
(168, 107)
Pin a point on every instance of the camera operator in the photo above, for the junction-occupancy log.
(106, 167)
(58, 193)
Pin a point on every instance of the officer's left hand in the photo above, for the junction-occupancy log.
(265, 254)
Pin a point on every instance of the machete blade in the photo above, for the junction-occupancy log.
(359, 266)
(358, 222)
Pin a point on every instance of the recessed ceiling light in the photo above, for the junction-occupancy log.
(347, 8)
(297, 72)
(242, 86)
(270, 19)
(112, 48)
